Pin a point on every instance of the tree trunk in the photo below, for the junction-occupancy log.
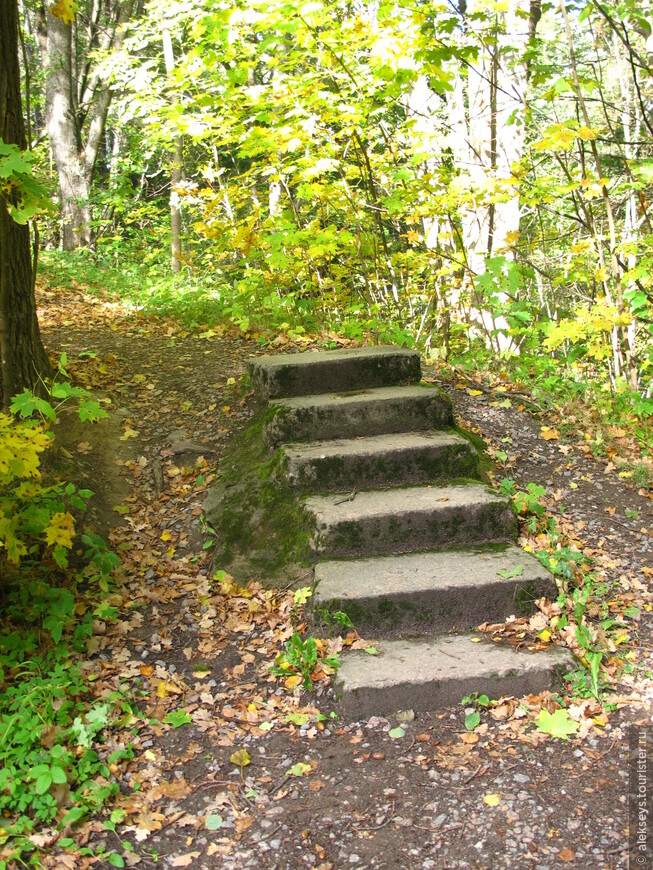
(75, 151)
(487, 137)
(177, 163)
(23, 360)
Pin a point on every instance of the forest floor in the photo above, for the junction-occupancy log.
(313, 789)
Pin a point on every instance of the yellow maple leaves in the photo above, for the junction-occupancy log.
(60, 530)
(20, 447)
(65, 10)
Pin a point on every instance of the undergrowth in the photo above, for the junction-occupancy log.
(56, 580)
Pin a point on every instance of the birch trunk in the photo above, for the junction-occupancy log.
(177, 162)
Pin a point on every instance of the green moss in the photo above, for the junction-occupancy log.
(525, 597)
(260, 522)
(480, 447)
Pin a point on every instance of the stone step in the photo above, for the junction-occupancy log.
(376, 522)
(300, 374)
(353, 414)
(423, 675)
(402, 457)
(434, 592)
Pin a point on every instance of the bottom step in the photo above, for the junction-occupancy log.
(426, 675)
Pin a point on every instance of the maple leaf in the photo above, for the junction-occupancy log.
(65, 10)
(60, 530)
(299, 769)
(556, 724)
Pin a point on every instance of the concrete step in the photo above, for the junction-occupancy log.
(434, 592)
(380, 460)
(300, 374)
(380, 522)
(429, 674)
(353, 414)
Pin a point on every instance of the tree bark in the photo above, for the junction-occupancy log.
(75, 150)
(177, 163)
(23, 360)
(487, 137)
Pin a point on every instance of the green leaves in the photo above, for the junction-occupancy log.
(509, 573)
(213, 822)
(177, 718)
(557, 724)
(25, 198)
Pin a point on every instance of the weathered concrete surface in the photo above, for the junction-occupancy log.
(377, 522)
(403, 457)
(350, 415)
(429, 674)
(299, 374)
(432, 592)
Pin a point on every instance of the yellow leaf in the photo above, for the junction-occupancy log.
(492, 800)
(65, 10)
(548, 434)
(121, 509)
(474, 392)
(60, 530)
(475, 640)
(586, 133)
(166, 688)
(545, 635)
(128, 433)
(165, 535)
(292, 681)
(240, 758)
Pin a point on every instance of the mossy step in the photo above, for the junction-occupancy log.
(376, 522)
(300, 374)
(430, 674)
(361, 413)
(402, 457)
(435, 592)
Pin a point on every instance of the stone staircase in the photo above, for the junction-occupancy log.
(407, 540)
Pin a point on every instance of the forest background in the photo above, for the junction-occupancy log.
(474, 180)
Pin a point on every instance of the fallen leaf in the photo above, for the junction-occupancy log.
(492, 800)
(243, 823)
(213, 822)
(292, 681)
(241, 758)
(299, 769)
(557, 724)
(184, 860)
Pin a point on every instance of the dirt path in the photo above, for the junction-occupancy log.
(316, 791)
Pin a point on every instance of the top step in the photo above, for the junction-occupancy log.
(302, 374)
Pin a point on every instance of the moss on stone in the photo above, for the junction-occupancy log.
(260, 522)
